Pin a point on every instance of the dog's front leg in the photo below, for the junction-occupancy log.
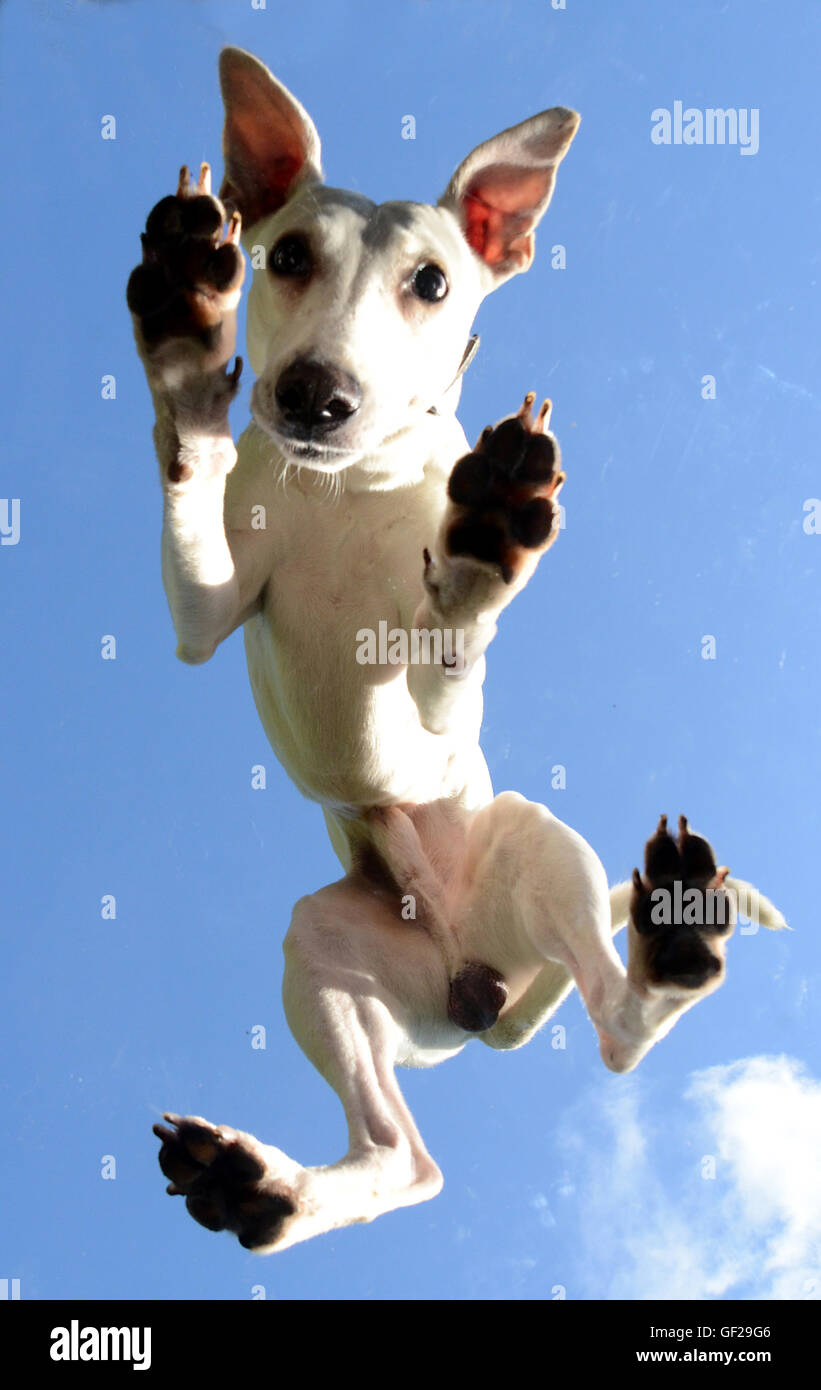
(501, 517)
(183, 300)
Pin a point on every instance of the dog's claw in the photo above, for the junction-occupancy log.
(186, 188)
(234, 229)
(525, 414)
(525, 408)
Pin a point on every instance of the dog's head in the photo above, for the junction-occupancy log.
(358, 313)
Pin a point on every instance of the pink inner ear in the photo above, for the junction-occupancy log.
(501, 206)
(281, 174)
(270, 174)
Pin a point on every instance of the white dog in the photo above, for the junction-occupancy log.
(369, 554)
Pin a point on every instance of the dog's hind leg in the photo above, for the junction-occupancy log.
(538, 912)
(358, 980)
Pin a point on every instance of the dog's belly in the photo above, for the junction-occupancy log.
(348, 734)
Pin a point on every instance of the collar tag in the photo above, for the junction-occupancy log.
(467, 357)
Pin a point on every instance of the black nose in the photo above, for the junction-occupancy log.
(315, 398)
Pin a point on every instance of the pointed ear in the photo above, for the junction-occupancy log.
(269, 142)
(500, 192)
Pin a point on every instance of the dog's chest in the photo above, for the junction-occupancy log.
(343, 565)
(345, 573)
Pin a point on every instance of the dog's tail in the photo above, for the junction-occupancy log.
(753, 905)
(620, 895)
(749, 903)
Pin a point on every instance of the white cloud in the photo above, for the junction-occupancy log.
(653, 1227)
(541, 1206)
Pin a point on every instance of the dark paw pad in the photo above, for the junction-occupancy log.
(189, 273)
(679, 908)
(504, 491)
(682, 958)
(223, 1180)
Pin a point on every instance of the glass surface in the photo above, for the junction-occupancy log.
(665, 657)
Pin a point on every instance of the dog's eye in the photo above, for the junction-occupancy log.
(429, 282)
(290, 256)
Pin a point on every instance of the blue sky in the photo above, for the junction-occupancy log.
(685, 519)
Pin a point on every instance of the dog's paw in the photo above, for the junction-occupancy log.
(184, 295)
(680, 913)
(226, 1179)
(504, 494)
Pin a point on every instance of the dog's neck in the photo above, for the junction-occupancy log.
(432, 442)
(405, 458)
